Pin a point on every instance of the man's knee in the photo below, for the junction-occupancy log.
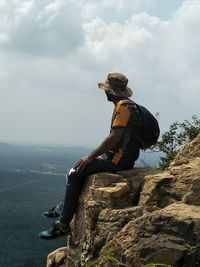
(66, 177)
(72, 175)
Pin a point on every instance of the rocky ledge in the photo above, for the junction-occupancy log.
(132, 218)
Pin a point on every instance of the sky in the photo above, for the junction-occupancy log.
(54, 52)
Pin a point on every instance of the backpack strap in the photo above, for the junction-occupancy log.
(135, 131)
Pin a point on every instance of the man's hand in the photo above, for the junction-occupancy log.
(82, 163)
(110, 141)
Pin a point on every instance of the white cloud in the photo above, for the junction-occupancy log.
(53, 27)
(161, 57)
(39, 27)
(53, 53)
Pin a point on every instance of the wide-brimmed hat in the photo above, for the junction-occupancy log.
(116, 84)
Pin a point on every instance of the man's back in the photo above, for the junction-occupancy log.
(126, 116)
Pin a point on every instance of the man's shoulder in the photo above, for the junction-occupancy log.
(125, 102)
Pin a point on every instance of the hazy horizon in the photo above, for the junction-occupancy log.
(48, 144)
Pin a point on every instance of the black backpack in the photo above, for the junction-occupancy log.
(150, 128)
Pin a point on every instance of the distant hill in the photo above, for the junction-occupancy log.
(54, 159)
(40, 158)
(7, 147)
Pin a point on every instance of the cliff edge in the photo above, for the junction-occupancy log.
(136, 217)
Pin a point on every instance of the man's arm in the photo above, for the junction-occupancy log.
(112, 139)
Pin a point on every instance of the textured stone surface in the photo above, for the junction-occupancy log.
(188, 151)
(138, 216)
(155, 236)
(57, 258)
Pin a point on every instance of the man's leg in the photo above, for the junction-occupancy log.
(75, 183)
(56, 210)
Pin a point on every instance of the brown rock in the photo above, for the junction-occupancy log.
(57, 258)
(188, 151)
(153, 237)
(156, 190)
(137, 217)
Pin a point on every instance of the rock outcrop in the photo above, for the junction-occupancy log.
(136, 217)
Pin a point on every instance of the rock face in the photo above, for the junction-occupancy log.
(136, 217)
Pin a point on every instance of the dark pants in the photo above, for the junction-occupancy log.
(76, 181)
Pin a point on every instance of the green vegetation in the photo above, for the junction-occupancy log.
(157, 265)
(192, 249)
(192, 257)
(107, 255)
(172, 140)
(92, 263)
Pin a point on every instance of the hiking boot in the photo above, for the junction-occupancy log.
(51, 213)
(58, 229)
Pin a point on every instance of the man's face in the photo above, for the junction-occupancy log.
(109, 97)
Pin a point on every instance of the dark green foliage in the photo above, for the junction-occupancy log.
(107, 255)
(92, 263)
(192, 256)
(178, 134)
(157, 265)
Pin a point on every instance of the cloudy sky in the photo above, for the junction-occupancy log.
(53, 53)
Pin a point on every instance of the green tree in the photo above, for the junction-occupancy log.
(177, 135)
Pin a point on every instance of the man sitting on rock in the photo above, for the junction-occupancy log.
(118, 151)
